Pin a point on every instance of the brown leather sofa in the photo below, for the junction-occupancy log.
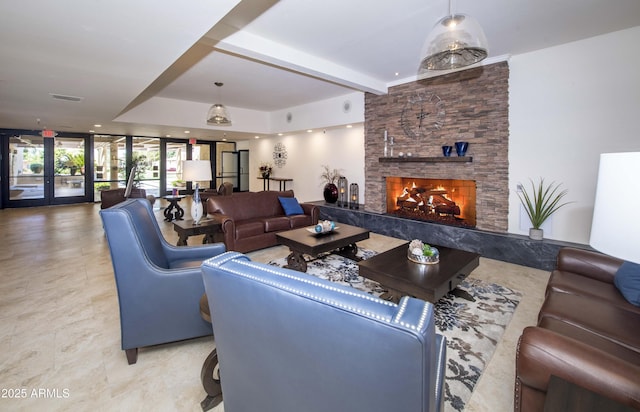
(250, 220)
(587, 334)
(112, 197)
(225, 189)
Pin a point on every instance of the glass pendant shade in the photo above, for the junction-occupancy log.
(218, 115)
(455, 41)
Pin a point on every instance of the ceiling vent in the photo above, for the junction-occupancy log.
(67, 98)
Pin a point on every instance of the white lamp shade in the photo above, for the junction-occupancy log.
(196, 170)
(615, 229)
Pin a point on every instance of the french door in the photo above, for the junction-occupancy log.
(45, 171)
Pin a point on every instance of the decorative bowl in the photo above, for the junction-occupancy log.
(323, 226)
(422, 253)
(422, 259)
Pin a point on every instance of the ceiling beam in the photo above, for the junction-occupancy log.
(245, 44)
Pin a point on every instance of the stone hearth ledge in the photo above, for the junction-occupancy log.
(506, 247)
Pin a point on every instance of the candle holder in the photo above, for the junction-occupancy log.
(354, 197)
(342, 192)
(386, 148)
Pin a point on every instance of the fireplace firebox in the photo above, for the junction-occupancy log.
(446, 201)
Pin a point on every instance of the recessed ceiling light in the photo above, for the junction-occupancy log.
(97, 125)
(256, 137)
(92, 131)
(349, 126)
(187, 131)
(309, 131)
(280, 134)
(168, 135)
(397, 74)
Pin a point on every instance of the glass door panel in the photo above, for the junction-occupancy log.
(202, 152)
(46, 171)
(221, 175)
(244, 170)
(26, 167)
(146, 156)
(176, 154)
(69, 168)
(230, 167)
(109, 160)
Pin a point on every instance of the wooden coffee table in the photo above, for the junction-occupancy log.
(301, 241)
(400, 276)
(207, 227)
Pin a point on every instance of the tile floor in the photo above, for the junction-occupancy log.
(60, 332)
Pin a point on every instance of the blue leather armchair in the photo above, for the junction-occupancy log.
(287, 341)
(159, 285)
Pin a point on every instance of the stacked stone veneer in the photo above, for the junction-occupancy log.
(476, 106)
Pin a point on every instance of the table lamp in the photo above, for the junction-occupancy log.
(196, 171)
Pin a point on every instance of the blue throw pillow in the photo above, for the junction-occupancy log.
(627, 280)
(291, 206)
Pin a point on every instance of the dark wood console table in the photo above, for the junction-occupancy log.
(282, 181)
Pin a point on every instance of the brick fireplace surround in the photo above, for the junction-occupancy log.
(476, 111)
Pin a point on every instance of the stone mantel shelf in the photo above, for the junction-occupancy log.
(442, 159)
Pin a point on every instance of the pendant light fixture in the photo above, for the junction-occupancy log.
(456, 41)
(218, 113)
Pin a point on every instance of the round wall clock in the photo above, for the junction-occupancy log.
(279, 154)
(422, 114)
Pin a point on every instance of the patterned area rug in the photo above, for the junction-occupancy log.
(472, 329)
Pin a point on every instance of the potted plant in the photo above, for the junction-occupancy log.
(72, 161)
(36, 168)
(541, 203)
(265, 170)
(329, 178)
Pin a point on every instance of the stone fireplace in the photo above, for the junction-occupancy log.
(475, 104)
(446, 201)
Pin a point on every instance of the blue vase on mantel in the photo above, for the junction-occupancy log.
(461, 148)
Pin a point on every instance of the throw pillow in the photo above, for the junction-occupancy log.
(627, 280)
(291, 206)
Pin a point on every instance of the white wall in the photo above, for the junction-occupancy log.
(568, 104)
(339, 148)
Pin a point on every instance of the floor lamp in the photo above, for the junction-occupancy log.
(196, 171)
(615, 229)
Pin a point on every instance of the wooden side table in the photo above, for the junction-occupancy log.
(169, 213)
(210, 372)
(207, 227)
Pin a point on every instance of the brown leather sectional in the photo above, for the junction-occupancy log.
(587, 334)
(250, 220)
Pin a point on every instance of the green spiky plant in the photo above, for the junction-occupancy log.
(542, 202)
